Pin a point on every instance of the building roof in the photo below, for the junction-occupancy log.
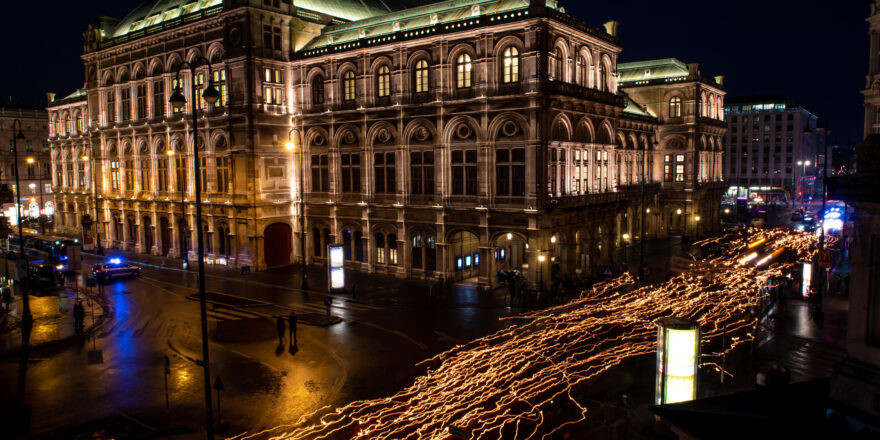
(156, 12)
(159, 12)
(416, 19)
(358, 9)
(652, 70)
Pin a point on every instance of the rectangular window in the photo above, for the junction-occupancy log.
(199, 83)
(114, 175)
(351, 173)
(272, 37)
(272, 91)
(464, 172)
(145, 176)
(679, 168)
(142, 101)
(222, 167)
(81, 171)
(320, 173)
(158, 99)
(510, 172)
(203, 175)
(667, 168)
(422, 170)
(180, 167)
(111, 108)
(383, 164)
(125, 93)
(69, 176)
(162, 175)
(129, 175)
(176, 85)
(220, 85)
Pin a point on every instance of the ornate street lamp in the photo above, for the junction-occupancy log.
(291, 145)
(26, 318)
(177, 99)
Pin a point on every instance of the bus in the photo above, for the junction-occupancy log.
(52, 248)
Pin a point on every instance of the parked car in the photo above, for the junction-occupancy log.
(115, 268)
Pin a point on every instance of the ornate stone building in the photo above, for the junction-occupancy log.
(445, 140)
(33, 163)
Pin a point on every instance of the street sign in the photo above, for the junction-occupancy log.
(607, 273)
(458, 432)
(824, 259)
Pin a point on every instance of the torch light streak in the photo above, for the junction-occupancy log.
(505, 384)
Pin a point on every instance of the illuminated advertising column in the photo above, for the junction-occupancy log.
(807, 280)
(337, 269)
(678, 355)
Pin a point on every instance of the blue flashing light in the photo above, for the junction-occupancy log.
(115, 261)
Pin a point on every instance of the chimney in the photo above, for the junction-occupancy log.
(719, 79)
(50, 97)
(694, 69)
(611, 27)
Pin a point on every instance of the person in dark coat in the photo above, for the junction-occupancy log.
(280, 324)
(79, 313)
(291, 322)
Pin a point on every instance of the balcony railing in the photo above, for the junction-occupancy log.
(576, 91)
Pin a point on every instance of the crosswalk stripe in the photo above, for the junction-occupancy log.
(239, 313)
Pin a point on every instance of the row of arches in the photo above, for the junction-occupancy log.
(157, 65)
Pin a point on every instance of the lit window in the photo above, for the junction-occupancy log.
(511, 65)
(384, 81)
(421, 76)
(349, 91)
(220, 85)
(464, 71)
(675, 107)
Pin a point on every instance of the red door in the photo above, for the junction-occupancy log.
(277, 244)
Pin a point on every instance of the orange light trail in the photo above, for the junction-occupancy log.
(502, 385)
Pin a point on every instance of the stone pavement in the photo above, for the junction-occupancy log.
(53, 320)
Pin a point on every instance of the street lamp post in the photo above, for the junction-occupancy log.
(32, 161)
(98, 249)
(177, 99)
(541, 259)
(290, 145)
(26, 317)
(182, 222)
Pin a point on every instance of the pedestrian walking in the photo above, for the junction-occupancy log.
(280, 324)
(328, 301)
(79, 313)
(291, 336)
(7, 297)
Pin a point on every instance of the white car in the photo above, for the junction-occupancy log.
(114, 269)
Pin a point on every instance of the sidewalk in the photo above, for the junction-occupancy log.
(53, 321)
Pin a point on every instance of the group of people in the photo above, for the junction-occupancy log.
(291, 330)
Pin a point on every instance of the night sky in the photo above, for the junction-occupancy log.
(811, 51)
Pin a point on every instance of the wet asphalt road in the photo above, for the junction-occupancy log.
(371, 353)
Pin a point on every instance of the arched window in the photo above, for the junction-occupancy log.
(349, 91)
(79, 122)
(603, 81)
(380, 248)
(317, 90)
(557, 65)
(582, 69)
(417, 252)
(511, 65)
(421, 78)
(316, 242)
(675, 107)
(67, 128)
(383, 80)
(464, 69)
(57, 126)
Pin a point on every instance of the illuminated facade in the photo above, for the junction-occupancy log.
(33, 162)
(441, 141)
(872, 81)
(774, 146)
